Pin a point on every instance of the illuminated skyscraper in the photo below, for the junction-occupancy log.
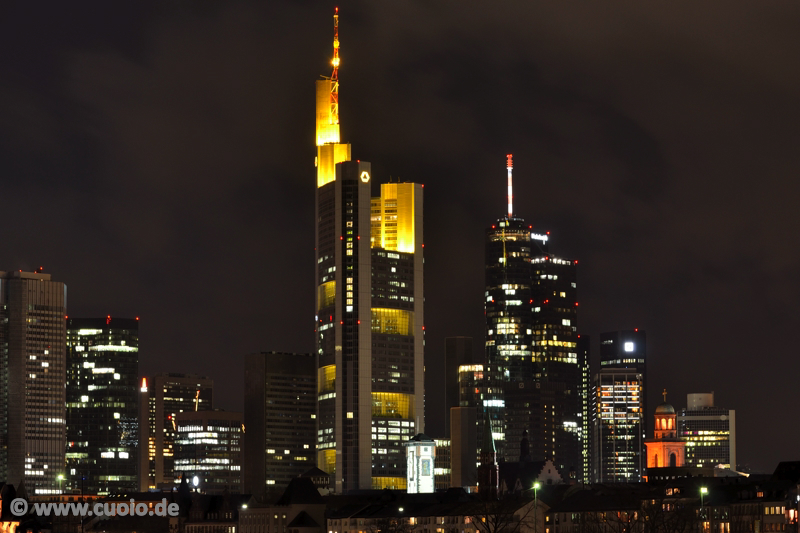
(161, 398)
(32, 373)
(208, 445)
(369, 324)
(618, 410)
(709, 432)
(102, 405)
(531, 341)
(618, 439)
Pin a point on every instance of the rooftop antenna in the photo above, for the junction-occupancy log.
(509, 166)
(334, 114)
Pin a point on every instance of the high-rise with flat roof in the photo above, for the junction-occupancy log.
(280, 411)
(369, 321)
(208, 445)
(618, 438)
(102, 405)
(457, 352)
(33, 339)
(161, 398)
(709, 432)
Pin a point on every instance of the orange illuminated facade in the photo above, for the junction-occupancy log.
(666, 449)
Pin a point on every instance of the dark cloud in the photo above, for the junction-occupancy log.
(158, 158)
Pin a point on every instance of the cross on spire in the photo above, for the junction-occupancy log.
(665, 395)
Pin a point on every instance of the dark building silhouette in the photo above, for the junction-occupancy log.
(457, 352)
(102, 405)
(488, 469)
(280, 406)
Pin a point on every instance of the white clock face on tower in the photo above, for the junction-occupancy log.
(365, 176)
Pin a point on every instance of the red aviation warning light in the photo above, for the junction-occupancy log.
(509, 166)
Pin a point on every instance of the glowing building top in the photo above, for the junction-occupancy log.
(329, 149)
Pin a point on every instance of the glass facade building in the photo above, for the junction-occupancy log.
(208, 445)
(161, 398)
(33, 344)
(618, 439)
(532, 344)
(102, 405)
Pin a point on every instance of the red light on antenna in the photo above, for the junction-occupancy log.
(359, 237)
(548, 233)
(341, 237)
(137, 318)
(531, 301)
(636, 330)
(331, 318)
(576, 304)
(422, 185)
(359, 322)
(576, 261)
(336, 9)
(423, 245)
(66, 317)
(108, 319)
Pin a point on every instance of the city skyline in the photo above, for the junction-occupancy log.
(654, 156)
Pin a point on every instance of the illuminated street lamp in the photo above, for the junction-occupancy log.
(703, 492)
(536, 486)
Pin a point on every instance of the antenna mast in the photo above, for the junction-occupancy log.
(334, 113)
(509, 166)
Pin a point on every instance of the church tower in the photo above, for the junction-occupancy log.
(665, 449)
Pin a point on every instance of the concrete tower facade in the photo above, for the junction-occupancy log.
(369, 321)
(33, 339)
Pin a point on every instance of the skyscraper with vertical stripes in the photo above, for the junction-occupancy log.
(369, 316)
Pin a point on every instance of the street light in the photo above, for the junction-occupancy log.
(536, 486)
(60, 479)
(703, 492)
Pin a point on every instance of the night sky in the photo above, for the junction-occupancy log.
(158, 158)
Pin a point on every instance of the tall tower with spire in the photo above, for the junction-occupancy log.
(531, 345)
(369, 310)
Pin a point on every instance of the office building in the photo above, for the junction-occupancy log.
(585, 403)
(618, 437)
(161, 398)
(280, 411)
(709, 432)
(442, 467)
(457, 352)
(369, 331)
(208, 446)
(32, 380)
(463, 447)
(102, 405)
(531, 338)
